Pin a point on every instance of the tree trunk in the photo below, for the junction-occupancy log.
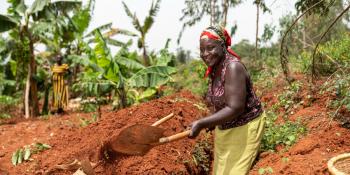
(45, 109)
(34, 107)
(26, 96)
(226, 4)
(27, 88)
(145, 56)
(257, 31)
(122, 97)
(212, 12)
(304, 34)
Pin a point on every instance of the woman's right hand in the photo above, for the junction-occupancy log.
(195, 129)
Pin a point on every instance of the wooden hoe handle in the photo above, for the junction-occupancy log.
(175, 137)
(164, 119)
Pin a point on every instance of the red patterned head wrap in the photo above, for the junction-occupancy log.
(218, 33)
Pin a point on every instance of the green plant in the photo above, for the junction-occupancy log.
(334, 55)
(6, 104)
(23, 154)
(285, 159)
(338, 85)
(285, 134)
(39, 147)
(7, 101)
(190, 76)
(289, 97)
(122, 73)
(85, 122)
(44, 22)
(202, 155)
(89, 107)
(267, 170)
(143, 29)
(301, 63)
(5, 116)
(136, 96)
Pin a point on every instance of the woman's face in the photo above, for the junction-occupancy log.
(58, 59)
(211, 51)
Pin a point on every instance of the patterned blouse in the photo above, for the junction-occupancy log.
(215, 97)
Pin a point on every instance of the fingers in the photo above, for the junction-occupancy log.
(195, 129)
(191, 135)
(194, 132)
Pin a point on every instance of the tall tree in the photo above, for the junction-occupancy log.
(143, 29)
(259, 4)
(313, 15)
(196, 10)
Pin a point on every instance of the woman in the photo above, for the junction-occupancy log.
(238, 118)
(60, 89)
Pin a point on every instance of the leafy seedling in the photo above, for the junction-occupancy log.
(23, 154)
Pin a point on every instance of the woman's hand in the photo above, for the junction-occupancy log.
(195, 129)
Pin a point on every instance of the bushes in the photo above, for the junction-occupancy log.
(7, 103)
(285, 134)
(338, 86)
(202, 156)
(190, 76)
(330, 57)
(333, 55)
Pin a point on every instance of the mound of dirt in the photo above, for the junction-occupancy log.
(71, 142)
(325, 138)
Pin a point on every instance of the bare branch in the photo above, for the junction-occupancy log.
(323, 35)
(283, 57)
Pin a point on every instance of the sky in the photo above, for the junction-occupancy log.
(168, 25)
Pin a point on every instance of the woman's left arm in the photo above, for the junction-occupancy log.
(235, 96)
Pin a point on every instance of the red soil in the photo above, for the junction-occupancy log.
(325, 138)
(69, 141)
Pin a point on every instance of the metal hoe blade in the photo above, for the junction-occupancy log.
(136, 140)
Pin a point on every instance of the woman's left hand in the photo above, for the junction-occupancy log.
(195, 129)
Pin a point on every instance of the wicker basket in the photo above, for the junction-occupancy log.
(332, 169)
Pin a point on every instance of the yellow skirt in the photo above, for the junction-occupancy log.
(235, 149)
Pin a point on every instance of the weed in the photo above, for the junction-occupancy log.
(190, 77)
(202, 155)
(5, 116)
(339, 86)
(23, 154)
(285, 134)
(6, 104)
(289, 97)
(89, 107)
(285, 159)
(85, 122)
(267, 170)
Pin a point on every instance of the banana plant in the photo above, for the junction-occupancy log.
(22, 22)
(143, 29)
(124, 72)
(108, 32)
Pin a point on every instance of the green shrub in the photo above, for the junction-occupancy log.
(190, 76)
(339, 85)
(285, 134)
(289, 97)
(334, 54)
(6, 104)
(202, 155)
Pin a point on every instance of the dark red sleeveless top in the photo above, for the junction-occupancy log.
(215, 96)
